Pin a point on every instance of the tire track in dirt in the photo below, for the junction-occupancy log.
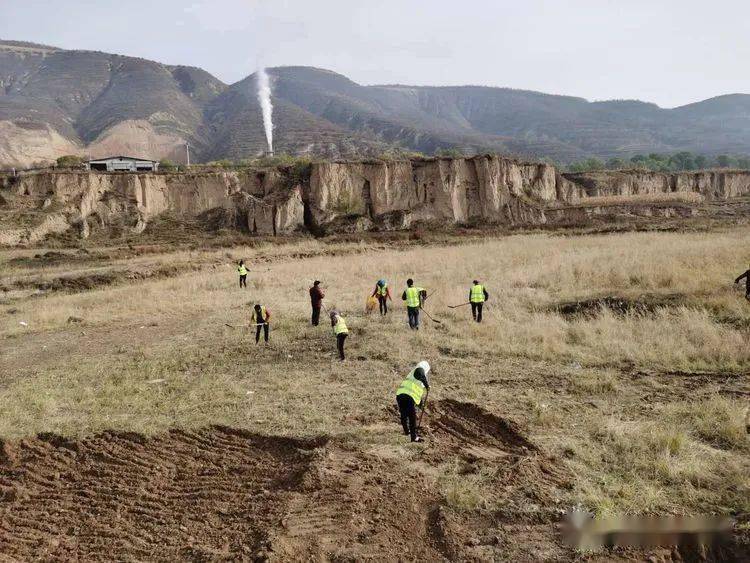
(207, 494)
(221, 493)
(202, 494)
(224, 493)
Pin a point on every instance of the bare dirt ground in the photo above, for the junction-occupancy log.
(612, 371)
(220, 492)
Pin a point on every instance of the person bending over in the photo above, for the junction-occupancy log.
(341, 331)
(262, 317)
(412, 394)
(383, 293)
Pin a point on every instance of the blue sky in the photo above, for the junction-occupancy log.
(670, 52)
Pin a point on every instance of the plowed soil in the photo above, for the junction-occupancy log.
(226, 494)
(222, 493)
(122, 496)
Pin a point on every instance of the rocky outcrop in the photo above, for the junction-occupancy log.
(487, 188)
(53, 202)
(333, 196)
(712, 184)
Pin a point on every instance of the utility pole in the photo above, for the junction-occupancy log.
(187, 151)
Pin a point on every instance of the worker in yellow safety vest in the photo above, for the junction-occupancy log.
(411, 394)
(341, 331)
(477, 296)
(383, 294)
(414, 297)
(261, 319)
(242, 269)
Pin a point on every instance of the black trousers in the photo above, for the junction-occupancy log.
(265, 332)
(408, 411)
(383, 302)
(315, 315)
(476, 311)
(243, 281)
(413, 313)
(340, 339)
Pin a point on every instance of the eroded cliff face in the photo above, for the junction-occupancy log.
(332, 196)
(711, 184)
(53, 202)
(491, 189)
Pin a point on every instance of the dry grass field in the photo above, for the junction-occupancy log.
(634, 404)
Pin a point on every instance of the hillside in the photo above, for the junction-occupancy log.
(55, 102)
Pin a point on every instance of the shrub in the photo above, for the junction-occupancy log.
(167, 165)
(69, 161)
(450, 153)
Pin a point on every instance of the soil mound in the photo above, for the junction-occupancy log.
(467, 423)
(645, 304)
(482, 440)
(55, 258)
(86, 282)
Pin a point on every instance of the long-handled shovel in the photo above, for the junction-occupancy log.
(421, 412)
(430, 317)
(461, 305)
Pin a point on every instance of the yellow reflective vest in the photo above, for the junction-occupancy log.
(412, 296)
(477, 293)
(340, 327)
(383, 290)
(242, 270)
(412, 387)
(262, 314)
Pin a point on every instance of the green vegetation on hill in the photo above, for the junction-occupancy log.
(69, 161)
(678, 162)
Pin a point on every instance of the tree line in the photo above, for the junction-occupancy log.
(658, 162)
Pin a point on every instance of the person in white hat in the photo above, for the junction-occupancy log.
(412, 394)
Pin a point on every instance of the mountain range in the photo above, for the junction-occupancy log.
(56, 101)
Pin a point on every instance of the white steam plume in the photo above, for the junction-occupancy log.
(264, 97)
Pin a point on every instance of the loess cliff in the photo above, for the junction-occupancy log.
(343, 196)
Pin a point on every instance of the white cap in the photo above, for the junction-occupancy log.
(425, 365)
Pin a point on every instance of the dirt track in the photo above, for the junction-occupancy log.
(222, 493)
